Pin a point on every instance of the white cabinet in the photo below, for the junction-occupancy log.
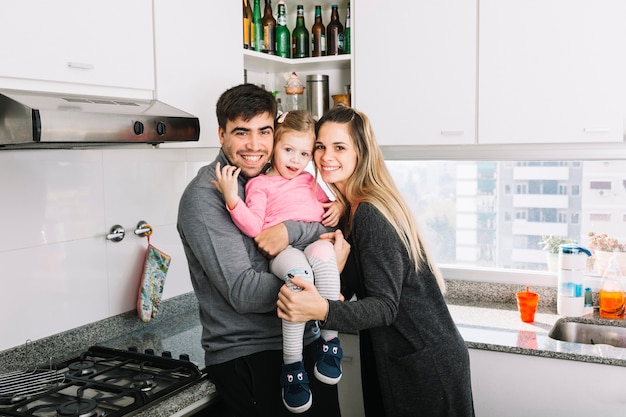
(514, 385)
(416, 70)
(198, 57)
(84, 43)
(551, 71)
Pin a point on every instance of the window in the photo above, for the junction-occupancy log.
(491, 215)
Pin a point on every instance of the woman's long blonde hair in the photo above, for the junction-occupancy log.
(371, 182)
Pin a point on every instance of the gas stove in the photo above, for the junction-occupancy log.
(101, 382)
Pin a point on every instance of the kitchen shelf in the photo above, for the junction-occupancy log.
(260, 62)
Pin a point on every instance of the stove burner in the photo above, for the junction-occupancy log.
(81, 407)
(82, 367)
(145, 382)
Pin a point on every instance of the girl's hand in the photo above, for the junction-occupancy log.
(334, 211)
(342, 247)
(227, 183)
(303, 305)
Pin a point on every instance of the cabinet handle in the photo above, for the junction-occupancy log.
(452, 132)
(596, 130)
(80, 65)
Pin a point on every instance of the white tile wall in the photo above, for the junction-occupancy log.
(58, 271)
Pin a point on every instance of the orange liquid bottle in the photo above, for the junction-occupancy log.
(612, 297)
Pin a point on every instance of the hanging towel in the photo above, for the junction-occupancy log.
(152, 282)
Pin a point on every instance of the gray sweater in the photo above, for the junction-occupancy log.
(236, 293)
(414, 361)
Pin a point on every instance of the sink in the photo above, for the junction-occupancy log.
(589, 333)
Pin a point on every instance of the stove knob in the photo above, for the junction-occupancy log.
(149, 351)
(184, 357)
(166, 354)
(133, 349)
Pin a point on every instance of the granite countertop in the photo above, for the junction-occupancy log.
(489, 324)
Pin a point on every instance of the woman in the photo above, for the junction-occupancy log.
(414, 362)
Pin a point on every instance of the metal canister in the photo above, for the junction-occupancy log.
(317, 94)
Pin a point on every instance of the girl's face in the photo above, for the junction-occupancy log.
(335, 156)
(292, 153)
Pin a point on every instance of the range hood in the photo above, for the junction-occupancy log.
(55, 120)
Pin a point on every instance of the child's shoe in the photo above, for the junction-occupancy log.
(328, 365)
(296, 392)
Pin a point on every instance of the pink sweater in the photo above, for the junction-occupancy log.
(273, 199)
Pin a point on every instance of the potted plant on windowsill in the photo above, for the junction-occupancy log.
(550, 244)
(603, 248)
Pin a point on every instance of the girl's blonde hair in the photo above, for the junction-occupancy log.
(371, 182)
(294, 121)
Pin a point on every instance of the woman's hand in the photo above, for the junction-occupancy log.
(342, 247)
(303, 305)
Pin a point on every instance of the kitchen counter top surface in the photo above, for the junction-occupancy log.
(487, 326)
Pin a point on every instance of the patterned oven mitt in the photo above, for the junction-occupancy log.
(152, 282)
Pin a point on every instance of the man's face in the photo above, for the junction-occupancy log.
(248, 145)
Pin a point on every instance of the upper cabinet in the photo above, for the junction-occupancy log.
(198, 56)
(417, 80)
(82, 44)
(551, 71)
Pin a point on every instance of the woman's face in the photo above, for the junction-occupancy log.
(334, 154)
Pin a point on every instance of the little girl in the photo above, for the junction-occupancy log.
(287, 192)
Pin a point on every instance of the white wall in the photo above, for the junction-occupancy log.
(57, 269)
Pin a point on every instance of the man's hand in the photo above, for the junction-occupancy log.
(272, 240)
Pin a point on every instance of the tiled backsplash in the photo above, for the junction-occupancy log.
(58, 270)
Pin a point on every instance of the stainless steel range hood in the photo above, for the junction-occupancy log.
(51, 120)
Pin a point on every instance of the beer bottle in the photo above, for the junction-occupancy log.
(269, 29)
(318, 34)
(283, 37)
(247, 25)
(347, 47)
(258, 27)
(334, 33)
(299, 36)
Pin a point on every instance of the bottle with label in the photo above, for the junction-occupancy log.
(334, 33)
(257, 33)
(247, 25)
(347, 47)
(318, 34)
(300, 36)
(283, 37)
(612, 299)
(269, 29)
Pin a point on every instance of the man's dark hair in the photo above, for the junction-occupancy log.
(246, 101)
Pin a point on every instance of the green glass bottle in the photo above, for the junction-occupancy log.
(346, 33)
(300, 36)
(283, 37)
(258, 27)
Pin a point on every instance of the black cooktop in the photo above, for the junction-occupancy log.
(100, 382)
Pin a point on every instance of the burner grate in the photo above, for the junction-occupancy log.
(15, 386)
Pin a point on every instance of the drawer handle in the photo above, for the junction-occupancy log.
(597, 130)
(80, 65)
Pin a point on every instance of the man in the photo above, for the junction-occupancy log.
(236, 293)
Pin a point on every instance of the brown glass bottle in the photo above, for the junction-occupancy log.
(318, 34)
(247, 25)
(269, 29)
(334, 33)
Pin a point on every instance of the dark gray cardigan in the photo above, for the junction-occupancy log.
(414, 361)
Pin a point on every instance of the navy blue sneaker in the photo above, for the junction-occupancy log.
(297, 395)
(328, 365)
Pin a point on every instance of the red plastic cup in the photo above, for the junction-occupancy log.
(527, 304)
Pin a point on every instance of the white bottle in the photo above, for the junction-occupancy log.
(570, 301)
